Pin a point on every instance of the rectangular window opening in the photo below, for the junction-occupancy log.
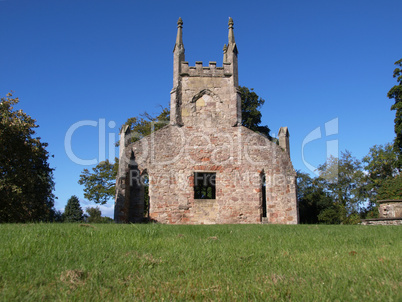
(204, 185)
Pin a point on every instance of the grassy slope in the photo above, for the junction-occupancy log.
(220, 262)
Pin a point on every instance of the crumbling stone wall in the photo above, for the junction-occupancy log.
(390, 208)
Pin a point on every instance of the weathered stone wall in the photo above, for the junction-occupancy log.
(205, 97)
(239, 156)
(209, 102)
(390, 209)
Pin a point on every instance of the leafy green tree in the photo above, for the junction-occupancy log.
(58, 216)
(381, 163)
(396, 94)
(313, 200)
(95, 214)
(26, 179)
(391, 188)
(331, 215)
(344, 181)
(381, 166)
(73, 211)
(251, 115)
(100, 183)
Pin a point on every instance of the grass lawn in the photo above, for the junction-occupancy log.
(110, 262)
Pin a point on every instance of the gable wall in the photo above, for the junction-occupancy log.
(237, 155)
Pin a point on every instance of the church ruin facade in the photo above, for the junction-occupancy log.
(204, 167)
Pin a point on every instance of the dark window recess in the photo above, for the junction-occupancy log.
(264, 195)
(204, 185)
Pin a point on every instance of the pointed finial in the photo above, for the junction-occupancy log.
(231, 23)
(225, 53)
(231, 34)
(180, 22)
(179, 38)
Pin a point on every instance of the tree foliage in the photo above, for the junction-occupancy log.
(145, 124)
(73, 211)
(250, 110)
(26, 179)
(95, 216)
(100, 183)
(381, 165)
(384, 179)
(343, 179)
(313, 200)
(396, 94)
(391, 188)
(347, 189)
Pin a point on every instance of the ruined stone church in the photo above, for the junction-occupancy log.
(204, 167)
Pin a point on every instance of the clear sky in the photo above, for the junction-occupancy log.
(323, 67)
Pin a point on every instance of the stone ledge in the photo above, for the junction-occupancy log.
(385, 218)
(389, 200)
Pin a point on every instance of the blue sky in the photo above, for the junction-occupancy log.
(104, 61)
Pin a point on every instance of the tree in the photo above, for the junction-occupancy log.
(314, 202)
(343, 179)
(381, 166)
(391, 188)
(95, 216)
(58, 216)
(251, 115)
(73, 211)
(100, 183)
(381, 163)
(26, 179)
(396, 94)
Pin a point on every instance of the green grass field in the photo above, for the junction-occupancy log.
(217, 263)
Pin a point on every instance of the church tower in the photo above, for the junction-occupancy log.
(205, 96)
